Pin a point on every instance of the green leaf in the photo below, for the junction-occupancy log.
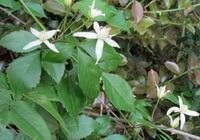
(110, 58)
(22, 136)
(55, 70)
(7, 3)
(4, 85)
(16, 41)
(104, 124)
(24, 73)
(142, 26)
(54, 7)
(71, 96)
(172, 98)
(118, 21)
(118, 91)
(47, 105)
(5, 134)
(85, 127)
(29, 121)
(83, 6)
(4, 117)
(65, 51)
(46, 90)
(115, 137)
(89, 76)
(36, 9)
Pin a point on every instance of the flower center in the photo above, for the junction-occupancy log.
(103, 33)
(183, 108)
(43, 36)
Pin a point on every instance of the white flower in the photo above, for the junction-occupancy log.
(183, 109)
(174, 123)
(102, 34)
(43, 37)
(161, 92)
(94, 12)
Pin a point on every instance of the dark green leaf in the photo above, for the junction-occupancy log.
(65, 51)
(85, 127)
(89, 76)
(71, 96)
(104, 124)
(110, 58)
(29, 121)
(55, 70)
(16, 41)
(115, 137)
(24, 73)
(36, 9)
(118, 91)
(54, 7)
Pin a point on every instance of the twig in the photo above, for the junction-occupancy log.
(13, 16)
(175, 131)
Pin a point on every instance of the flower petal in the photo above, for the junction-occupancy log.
(35, 32)
(173, 109)
(51, 33)
(111, 42)
(32, 44)
(96, 27)
(191, 113)
(88, 35)
(182, 120)
(99, 49)
(51, 46)
(180, 101)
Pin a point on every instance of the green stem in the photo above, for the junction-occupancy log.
(41, 25)
(129, 4)
(155, 109)
(166, 117)
(125, 118)
(65, 19)
(170, 10)
(149, 3)
(79, 27)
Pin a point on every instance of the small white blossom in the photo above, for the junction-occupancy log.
(183, 109)
(174, 123)
(102, 34)
(43, 37)
(94, 12)
(161, 92)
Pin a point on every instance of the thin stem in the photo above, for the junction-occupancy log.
(155, 109)
(65, 19)
(166, 117)
(149, 3)
(125, 118)
(79, 27)
(74, 58)
(33, 16)
(129, 4)
(13, 16)
(170, 10)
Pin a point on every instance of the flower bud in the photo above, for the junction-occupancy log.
(161, 91)
(67, 3)
(174, 123)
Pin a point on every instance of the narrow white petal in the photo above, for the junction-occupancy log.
(191, 113)
(32, 44)
(180, 101)
(111, 42)
(93, 4)
(99, 49)
(88, 35)
(182, 120)
(173, 109)
(51, 46)
(51, 33)
(35, 32)
(96, 27)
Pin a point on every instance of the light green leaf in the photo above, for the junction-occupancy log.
(119, 21)
(89, 76)
(55, 70)
(7, 3)
(4, 117)
(24, 73)
(115, 137)
(5, 134)
(65, 51)
(71, 96)
(22, 136)
(4, 85)
(104, 124)
(29, 121)
(36, 9)
(54, 7)
(16, 41)
(99, 5)
(60, 1)
(47, 105)
(46, 90)
(85, 127)
(110, 58)
(142, 26)
(118, 91)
